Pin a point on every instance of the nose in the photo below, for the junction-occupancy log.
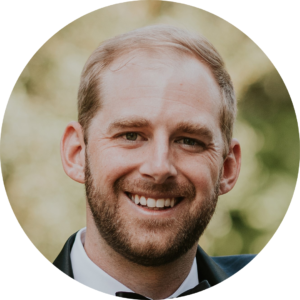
(157, 163)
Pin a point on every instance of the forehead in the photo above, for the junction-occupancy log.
(158, 83)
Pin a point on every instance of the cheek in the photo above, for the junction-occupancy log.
(201, 172)
(111, 163)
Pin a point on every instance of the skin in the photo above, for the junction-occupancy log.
(158, 123)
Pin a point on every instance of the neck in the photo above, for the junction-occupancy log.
(153, 282)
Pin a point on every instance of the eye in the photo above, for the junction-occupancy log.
(131, 136)
(190, 142)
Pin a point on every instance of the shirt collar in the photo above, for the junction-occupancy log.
(89, 274)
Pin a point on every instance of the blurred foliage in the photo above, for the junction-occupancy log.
(267, 107)
(50, 206)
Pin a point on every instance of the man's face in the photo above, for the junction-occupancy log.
(156, 141)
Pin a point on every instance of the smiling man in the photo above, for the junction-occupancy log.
(153, 145)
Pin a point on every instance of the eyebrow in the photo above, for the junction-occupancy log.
(195, 129)
(184, 127)
(128, 123)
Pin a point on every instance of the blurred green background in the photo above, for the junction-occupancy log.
(50, 206)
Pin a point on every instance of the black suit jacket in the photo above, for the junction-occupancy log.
(211, 269)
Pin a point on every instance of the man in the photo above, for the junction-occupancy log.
(153, 146)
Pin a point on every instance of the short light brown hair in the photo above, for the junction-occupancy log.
(158, 37)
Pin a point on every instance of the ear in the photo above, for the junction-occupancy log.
(72, 151)
(231, 168)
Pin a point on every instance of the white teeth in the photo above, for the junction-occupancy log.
(172, 202)
(160, 202)
(143, 201)
(150, 202)
(136, 199)
(167, 202)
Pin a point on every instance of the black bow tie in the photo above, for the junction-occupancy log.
(203, 285)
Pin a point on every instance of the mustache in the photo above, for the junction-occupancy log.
(142, 186)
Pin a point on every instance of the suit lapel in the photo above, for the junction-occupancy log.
(63, 260)
(208, 269)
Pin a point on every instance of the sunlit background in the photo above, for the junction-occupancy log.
(50, 206)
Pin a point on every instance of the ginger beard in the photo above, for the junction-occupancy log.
(164, 240)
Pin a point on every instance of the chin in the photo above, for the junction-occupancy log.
(154, 249)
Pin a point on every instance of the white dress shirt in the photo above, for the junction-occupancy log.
(88, 273)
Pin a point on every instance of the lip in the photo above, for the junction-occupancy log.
(167, 212)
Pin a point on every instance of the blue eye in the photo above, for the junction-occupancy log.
(131, 136)
(189, 142)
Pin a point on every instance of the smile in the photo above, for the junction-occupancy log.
(152, 203)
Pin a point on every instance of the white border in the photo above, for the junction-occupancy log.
(26, 25)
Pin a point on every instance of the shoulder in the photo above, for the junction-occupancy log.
(233, 263)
